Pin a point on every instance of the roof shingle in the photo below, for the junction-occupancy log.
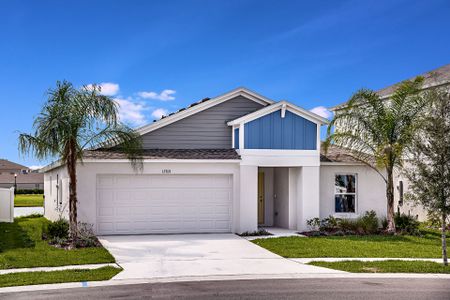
(336, 154)
(166, 154)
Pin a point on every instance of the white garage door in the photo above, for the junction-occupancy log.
(129, 204)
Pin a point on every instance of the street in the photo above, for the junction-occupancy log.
(330, 288)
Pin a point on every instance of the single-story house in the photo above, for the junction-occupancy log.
(226, 164)
(13, 174)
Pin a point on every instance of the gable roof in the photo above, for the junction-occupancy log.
(203, 105)
(9, 165)
(434, 78)
(283, 105)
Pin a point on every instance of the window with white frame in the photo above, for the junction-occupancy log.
(345, 193)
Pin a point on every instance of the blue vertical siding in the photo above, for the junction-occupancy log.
(236, 138)
(273, 132)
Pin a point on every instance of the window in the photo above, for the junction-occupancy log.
(345, 193)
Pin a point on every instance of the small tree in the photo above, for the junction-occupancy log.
(429, 172)
(71, 121)
(378, 132)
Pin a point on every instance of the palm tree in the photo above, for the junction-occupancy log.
(71, 121)
(378, 132)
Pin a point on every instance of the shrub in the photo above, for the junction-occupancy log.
(29, 191)
(368, 222)
(259, 232)
(58, 230)
(406, 224)
(384, 223)
(329, 224)
(313, 223)
(86, 237)
(348, 225)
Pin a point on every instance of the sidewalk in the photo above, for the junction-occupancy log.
(61, 268)
(336, 259)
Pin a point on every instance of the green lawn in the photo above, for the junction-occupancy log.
(29, 200)
(21, 246)
(388, 266)
(29, 278)
(400, 246)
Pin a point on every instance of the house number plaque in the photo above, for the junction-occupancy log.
(166, 171)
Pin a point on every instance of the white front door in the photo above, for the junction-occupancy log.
(138, 204)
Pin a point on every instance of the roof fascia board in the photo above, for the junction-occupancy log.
(203, 106)
(426, 87)
(277, 106)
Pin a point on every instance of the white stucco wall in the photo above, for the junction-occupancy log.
(87, 181)
(52, 210)
(248, 204)
(6, 204)
(408, 207)
(309, 184)
(370, 189)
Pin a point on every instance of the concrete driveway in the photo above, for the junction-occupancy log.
(199, 255)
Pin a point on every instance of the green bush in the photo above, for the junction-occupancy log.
(348, 225)
(313, 223)
(406, 224)
(58, 230)
(29, 191)
(369, 222)
(330, 223)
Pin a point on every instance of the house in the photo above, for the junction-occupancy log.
(226, 164)
(437, 78)
(13, 174)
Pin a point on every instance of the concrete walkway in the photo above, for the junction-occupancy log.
(61, 268)
(198, 255)
(26, 211)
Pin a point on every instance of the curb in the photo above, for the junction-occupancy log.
(54, 286)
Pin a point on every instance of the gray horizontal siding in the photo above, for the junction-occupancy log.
(204, 130)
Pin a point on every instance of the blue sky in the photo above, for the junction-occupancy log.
(159, 56)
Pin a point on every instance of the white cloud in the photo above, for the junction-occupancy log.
(131, 112)
(107, 88)
(322, 111)
(165, 95)
(159, 112)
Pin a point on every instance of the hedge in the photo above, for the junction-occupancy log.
(30, 191)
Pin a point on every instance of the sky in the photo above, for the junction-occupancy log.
(155, 57)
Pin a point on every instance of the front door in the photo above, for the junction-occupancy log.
(261, 198)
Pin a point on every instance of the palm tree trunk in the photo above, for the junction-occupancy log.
(72, 170)
(390, 201)
(444, 240)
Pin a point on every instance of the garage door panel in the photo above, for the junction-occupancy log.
(129, 204)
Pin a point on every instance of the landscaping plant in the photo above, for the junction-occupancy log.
(378, 132)
(73, 120)
(407, 224)
(429, 173)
